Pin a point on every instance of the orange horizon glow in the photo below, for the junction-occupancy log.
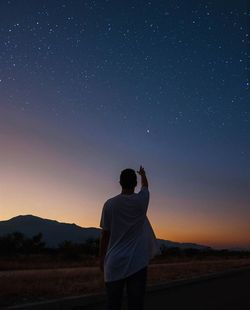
(189, 236)
(38, 179)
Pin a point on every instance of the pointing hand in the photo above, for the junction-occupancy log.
(141, 171)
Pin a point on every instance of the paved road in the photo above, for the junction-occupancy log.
(230, 292)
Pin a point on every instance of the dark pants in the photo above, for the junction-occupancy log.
(135, 285)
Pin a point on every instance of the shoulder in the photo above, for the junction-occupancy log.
(143, 194)
(144, 191)
(111, 201)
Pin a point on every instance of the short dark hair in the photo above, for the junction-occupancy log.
(128, 179)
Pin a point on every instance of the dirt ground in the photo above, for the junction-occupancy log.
(21, 286)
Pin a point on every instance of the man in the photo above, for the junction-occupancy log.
(127, 242)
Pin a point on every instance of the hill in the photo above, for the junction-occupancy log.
(55, 232)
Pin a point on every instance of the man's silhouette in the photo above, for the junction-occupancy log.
(127, 242)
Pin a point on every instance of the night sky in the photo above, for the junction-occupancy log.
(88, 88)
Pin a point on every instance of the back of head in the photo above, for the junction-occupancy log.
(128, 179)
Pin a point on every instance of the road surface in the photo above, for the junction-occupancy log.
(228, 292)
(231, 292)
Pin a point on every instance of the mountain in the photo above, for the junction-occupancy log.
(55, 232)
(172, 244)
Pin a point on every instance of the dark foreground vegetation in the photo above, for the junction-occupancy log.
(176, 254)
(20, 252)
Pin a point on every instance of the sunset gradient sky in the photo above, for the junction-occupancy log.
(88, 88)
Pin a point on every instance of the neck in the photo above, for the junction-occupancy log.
(128, 191)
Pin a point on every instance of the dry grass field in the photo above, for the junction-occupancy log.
(20, 286)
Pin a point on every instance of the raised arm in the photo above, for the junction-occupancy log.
(144, 180)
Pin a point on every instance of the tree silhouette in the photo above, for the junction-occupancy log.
(17, 243)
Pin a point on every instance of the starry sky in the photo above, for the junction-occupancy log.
(88, 88)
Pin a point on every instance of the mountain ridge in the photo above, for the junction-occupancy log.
(55, 232)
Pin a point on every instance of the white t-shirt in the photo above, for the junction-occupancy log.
(132, 240)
